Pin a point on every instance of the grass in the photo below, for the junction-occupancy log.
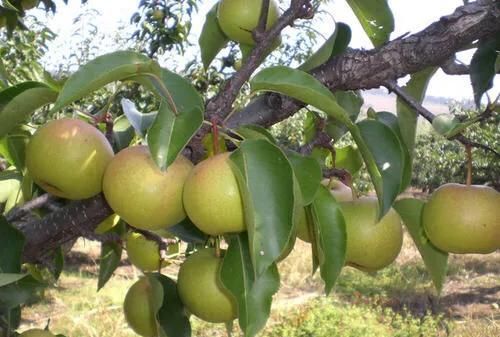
(397, 301)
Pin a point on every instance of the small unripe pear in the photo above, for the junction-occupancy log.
(142, 302)
(463, 219)
(201, 290)
(143, 252)
(212, 197)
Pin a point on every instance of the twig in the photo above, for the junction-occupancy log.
(19, 212)
(258, 33)
(429, 116)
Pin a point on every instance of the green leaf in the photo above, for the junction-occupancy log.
(212, 38)
(123, 133)
(20, 292)
(255, 132)
(308, 174)
(11, 249)
(392, 121)
(375, 17)
(9, 93)
(102, 70)
(58, 262)
(8, 278)
(16, 144)
(266, 181)
(333, 46)
(170, 132)
(138, 120)
(348, 158)
(482, 67)
(435, 260)
(351, 101)
(407, 116)
(254, 294)
(188, 232)
(18, 108)
(299, 85)
(111, 253)
(330, 236)
(387, 151)
(172, 314)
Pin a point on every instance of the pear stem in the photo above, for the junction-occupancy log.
(215, 136)
(468, 149)
(218, 253)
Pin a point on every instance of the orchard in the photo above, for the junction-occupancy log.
(180, 167)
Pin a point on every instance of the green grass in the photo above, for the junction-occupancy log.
(397, 301)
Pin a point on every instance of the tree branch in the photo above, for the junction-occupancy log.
(366, 69)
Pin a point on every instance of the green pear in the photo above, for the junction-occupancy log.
(67, 158)
(212, 197)
(141, 194)
(238, 18)
(36, 333)
(463, 219)
(201, 290)
(143, 253)
(142, 302)
(371, 244)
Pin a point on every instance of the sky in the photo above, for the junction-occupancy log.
(410, 16)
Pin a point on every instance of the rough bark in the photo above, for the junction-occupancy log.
(354, 69)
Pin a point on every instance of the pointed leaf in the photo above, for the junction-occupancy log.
(388, 154)
(111, 253)
(253, 294)
(17, 109)
(331, 237)
(188, 232)
(482, 67)
(266, 181)
(435, 260)
(19, 292)
(172, 314)
(333, 46)
(11, 249)
(8, 278)
(16, 145)
(348, 158)
(58, 263)
(308, 174)
(255, 132)
(212, 38)
(407, 116)
(102, 70)
(375, 17)
(392, 121)
(170, 133)
(139, 121)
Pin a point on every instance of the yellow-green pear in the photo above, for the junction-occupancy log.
(338, 189)
(67, 158)
(212, 197)
(463, 219)
(36, 333)
(108, 223)
(238, 18)
(140, 193)
(201, 290)
(142, 302)
(371, 244)
(143, 253)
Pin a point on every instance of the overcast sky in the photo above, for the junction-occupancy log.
(410, 16)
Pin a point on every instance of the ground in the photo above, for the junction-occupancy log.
(398, 301)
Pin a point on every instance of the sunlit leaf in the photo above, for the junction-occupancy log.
(212, 38)
(375, 17)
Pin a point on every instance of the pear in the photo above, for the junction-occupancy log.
(143, 252)
(463, 219)
(142, 302)
(36, 333)
(238, 18)
(371, 244)
(338, 189)
(107, 224)
(68, 157)
(212, 197)
(143, 195)
(201, 290)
